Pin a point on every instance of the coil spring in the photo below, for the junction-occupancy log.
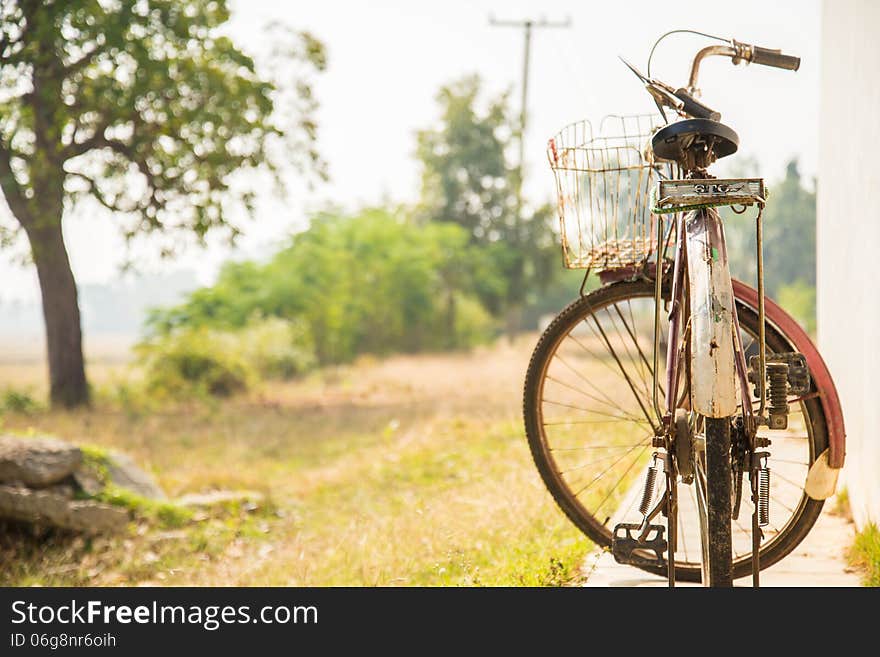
(778, 389)
(648, 492)
(763, 496)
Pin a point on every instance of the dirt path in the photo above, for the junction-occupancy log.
(818, 561)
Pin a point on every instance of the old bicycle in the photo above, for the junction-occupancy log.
(671, 373)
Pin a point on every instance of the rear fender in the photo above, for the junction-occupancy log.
(818, 369)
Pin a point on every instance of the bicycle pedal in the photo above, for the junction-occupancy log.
(624, 545)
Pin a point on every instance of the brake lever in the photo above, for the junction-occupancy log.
(664, 95)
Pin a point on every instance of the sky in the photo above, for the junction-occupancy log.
(388, 58)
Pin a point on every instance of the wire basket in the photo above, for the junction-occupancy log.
(603, 186)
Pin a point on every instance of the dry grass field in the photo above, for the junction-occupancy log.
(412, 470)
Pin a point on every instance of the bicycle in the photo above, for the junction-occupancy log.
(739, 376)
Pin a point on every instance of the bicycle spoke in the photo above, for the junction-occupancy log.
(623, 371)
(588, 410)
(775, 500)
(600, 459)
(638, 346)
(589, 396)
(588, 382)
(774, 459)
(787, 480)
(598, 477)
(615, 418)
(626, 348)
(622, 477)
(572, 449)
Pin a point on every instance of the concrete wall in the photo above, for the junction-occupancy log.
(848, 235)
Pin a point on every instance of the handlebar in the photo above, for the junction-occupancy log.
(685, 100)
(775, 58)
(741, 52)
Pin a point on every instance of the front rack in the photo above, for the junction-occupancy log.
(682, 195)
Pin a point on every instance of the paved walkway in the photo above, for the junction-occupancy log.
(818, 561)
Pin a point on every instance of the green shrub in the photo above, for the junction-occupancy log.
(219, 363)
(18, 401)
(195, 362)
(473, 324)
(277, 348)
(372, 283)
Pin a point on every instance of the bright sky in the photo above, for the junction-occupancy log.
(388, 58)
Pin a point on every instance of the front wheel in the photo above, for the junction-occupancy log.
(588, 415)
(713, 481)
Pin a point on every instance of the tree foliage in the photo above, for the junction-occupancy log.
(789, 245)
(147, 108)
(142, 105)
(368, 283)
(467, 179)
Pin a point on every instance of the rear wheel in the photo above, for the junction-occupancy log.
(589, 420)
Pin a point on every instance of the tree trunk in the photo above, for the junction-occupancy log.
(67, 377)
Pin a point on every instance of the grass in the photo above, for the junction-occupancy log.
(407, 471)
(865, 554)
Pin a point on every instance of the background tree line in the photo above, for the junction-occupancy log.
(451, 271)
(460, 266)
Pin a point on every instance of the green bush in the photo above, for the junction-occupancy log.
(473, 324)
(372, 283)
(18, 401)
(195, 362)
(277, 348)
(220, 363)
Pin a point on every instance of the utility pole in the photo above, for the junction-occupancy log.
(527, 26)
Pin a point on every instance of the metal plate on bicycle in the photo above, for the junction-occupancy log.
(624, 545)
(676, 195)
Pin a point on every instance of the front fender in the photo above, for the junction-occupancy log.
(713, 365)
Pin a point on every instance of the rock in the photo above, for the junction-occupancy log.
(125, 473)
(249, 500)
(36, 462)
(39, 506)
(64, 489)
(87, 480)
(121, 471)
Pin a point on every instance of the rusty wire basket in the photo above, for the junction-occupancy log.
(603, 186)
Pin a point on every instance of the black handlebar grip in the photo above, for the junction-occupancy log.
(775, 58)
(695, 108)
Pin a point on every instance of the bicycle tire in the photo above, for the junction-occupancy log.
(718, 488)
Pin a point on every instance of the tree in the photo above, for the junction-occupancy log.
(371, 282)
(789, 243)
(467, 179)
(789, 236)
(141, 105)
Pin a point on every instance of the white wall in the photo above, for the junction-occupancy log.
(848, 235)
